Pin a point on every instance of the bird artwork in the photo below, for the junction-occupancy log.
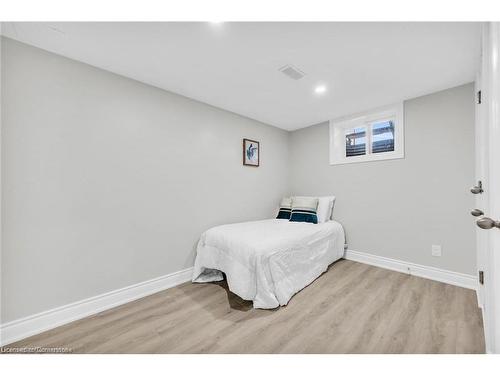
(250, 152)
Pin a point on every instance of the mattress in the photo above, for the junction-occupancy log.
(268, 261)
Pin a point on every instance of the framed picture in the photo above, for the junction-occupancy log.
(251, 152)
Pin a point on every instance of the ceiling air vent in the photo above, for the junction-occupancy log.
(292, 72)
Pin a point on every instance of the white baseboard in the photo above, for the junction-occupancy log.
(432, 273)
(34, 324)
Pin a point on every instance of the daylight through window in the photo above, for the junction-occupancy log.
(374, 135)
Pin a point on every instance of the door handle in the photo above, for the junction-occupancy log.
(476, 212)
(487, 223)
(478, 189)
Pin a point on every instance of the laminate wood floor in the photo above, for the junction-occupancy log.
(351, 308)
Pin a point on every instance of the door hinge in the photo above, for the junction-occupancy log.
(479, 97)
(481, 277)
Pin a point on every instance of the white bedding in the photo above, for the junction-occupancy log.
(268, 261)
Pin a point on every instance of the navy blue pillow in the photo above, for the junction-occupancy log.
(285, 209)
(304, 209)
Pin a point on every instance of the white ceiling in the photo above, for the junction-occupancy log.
(234, 66)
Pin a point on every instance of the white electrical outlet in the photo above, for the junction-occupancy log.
(436, 250)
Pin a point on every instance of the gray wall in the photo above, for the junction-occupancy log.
(108, 182)
(399, 208)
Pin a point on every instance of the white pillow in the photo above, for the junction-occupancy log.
(325, 208)
(330, 217)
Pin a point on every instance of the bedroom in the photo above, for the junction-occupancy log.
(249, 187)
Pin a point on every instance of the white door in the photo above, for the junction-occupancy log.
(488, 162)
(481, 180)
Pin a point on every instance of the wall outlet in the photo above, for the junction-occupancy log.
(436, 250)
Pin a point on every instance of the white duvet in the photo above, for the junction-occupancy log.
(268, 261)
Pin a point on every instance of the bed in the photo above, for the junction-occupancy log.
(268, 261)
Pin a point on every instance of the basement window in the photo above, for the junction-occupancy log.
(369, 136)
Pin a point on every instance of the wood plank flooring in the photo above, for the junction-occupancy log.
(351, 308)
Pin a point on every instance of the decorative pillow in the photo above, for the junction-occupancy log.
(285, 209)
(325, 207)
(304, 209)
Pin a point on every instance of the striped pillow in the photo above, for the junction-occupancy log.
(304, 209)
(285, 209)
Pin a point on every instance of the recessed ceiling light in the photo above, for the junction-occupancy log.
(320, 89)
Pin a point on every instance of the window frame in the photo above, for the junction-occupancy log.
(366, 119)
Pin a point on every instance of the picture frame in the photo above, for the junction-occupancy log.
(251, 152)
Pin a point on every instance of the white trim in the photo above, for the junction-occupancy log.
(491, 80)
(449, 277)
(21, 328)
